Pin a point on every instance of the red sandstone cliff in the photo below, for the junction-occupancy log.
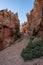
(24, 28)
(35, 18)
(9, 28)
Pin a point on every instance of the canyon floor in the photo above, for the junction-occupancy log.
(12, 55)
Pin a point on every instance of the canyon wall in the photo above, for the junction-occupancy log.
(9, 28)
(34, 24)
(24, 28)
(35, 19)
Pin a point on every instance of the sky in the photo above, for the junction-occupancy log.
(20, 6)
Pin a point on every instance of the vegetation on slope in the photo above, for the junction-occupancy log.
(33, 50)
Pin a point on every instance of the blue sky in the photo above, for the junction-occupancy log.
(20, 6)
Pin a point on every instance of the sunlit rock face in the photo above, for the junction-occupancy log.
(9, 28)
(35, 18)
(24, 28)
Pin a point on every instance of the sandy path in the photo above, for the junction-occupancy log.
(11, 55)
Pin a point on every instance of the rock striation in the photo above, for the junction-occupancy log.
(9, 28)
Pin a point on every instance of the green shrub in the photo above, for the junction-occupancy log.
(33, 50)
(31, 38)
(34, 32)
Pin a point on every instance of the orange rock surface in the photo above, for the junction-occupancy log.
(35, 18)
(9, 28)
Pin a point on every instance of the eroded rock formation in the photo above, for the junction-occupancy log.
(24, 28)
(35, 18)
(9, 28)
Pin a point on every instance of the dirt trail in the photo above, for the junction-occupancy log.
(11, 55)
